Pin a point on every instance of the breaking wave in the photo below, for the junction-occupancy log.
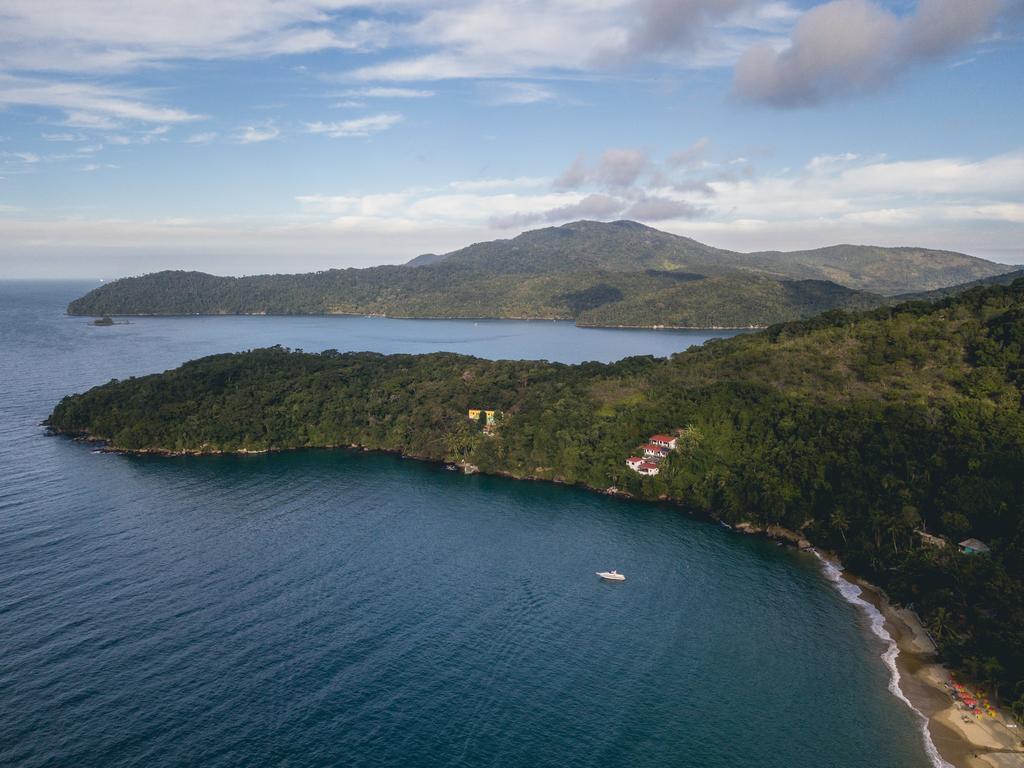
(851, 592)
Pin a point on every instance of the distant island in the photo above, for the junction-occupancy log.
(894, 437)
(597, 274)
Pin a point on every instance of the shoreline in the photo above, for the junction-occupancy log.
(378, 316)
(917, 678)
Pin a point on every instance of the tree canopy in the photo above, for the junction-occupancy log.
(855, 428)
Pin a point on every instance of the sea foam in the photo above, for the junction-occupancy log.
(852, 593)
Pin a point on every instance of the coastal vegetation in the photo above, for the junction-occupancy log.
(621, 273)
(876, 434)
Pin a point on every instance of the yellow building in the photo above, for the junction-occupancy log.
(474, 415)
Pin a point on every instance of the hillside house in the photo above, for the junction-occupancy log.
(474, 415)
(648, 468)
(663, 441)
(652, 451)
(973, 547)
(634, 462)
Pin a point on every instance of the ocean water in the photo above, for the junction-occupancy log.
(341, 609)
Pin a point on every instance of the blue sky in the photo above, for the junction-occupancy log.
(243, 136)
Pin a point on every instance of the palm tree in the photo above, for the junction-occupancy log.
(993, 672)
(939, 625)
(839, 522)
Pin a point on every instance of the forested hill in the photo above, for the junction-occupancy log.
(622, 273)
(855, 428)
(1004, 279)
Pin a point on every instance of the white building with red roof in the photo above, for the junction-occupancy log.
(653, 451)
(663, 441)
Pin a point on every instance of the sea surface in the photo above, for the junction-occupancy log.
(342, 609)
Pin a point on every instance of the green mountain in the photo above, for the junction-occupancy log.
(622, 273)
(855, 429)
(1007, 278)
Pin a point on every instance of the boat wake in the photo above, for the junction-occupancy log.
(851, 592)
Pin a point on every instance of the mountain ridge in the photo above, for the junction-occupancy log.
(618, 274)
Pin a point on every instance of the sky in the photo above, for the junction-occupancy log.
(252, 136)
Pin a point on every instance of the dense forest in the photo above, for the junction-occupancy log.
(621, 273)
(855, 428)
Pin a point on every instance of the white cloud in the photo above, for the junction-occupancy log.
(252, 134)
(691, 156)
(380, 92)
(201, 138)
(617, 168)
(63, 137)
(480, 185)
(22, 157)
(508, 92)
(79, 119)
(971, 205)
(848, 47)
(86, 105)
(361, 126)
(654, 208)
(112, 35)
(668, 25)
(826, 162)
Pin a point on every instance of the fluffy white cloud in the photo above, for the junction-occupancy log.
(111, 35)
(654, 208)
(848, 47)
(254, 134)
(971, 205)
(617, 168)
(491, 39)
(667, 25)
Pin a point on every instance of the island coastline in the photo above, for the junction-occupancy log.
(978, 742)
(919, 678)
(478, 318)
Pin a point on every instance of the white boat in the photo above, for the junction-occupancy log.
(611, 575)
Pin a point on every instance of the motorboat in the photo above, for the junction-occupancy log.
(611, 575)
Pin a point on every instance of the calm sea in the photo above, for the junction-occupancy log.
(335, 609)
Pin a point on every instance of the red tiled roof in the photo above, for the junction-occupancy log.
(648, 465)
(666, 438)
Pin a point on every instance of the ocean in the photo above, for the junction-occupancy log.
(334, 608)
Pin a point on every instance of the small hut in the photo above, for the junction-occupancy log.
(973, 547)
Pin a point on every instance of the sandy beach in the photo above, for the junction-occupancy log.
(963, 740)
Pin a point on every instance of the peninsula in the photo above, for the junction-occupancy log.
(597, 274)
(888, 436)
